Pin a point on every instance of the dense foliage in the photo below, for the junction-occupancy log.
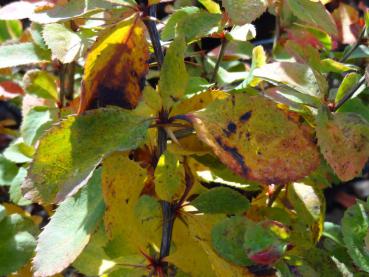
(184, 145)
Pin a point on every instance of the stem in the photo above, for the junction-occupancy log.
(62, 76)
(168, 209)
(354, 47)
(69, 81)
(220, 57)
(154, 35)
(349, 94)
(274, 196)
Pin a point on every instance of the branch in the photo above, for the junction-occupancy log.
(168, 209)
(220, 57)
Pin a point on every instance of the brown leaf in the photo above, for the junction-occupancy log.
(116, 67)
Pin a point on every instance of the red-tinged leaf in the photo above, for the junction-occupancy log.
(256, 140)
(9, 90)
(116, 66)
(266, 257)
(344, 142)
(347, 20)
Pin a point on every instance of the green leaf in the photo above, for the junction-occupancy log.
(2, 212)
(69, 229)
(313, 12)
(148, 215)
(15, 192)
(330, 65)
(298, 76)
(173, 76)
(261, 244)
(8, 170)
(69, 151)
(355, 106)
(41, 83)
(16, 243)
(355, 225)
(333, 231)
(347, 84)
(344, 142)
(169, 30)
(211, 6)
(228, 238)
(71, 10)
(19, 152)
(93, 260)
(169, 177)
(22, 54)
(221, 200)
(199, 24)
(65, 45)
(321, 262)
(35, 122)
(244, 11)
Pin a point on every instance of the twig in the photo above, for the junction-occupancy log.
(348, 95)
(354, 47)
(62, 72)
(274, 195)
(69, 80)
(154, 34)
(220, 57)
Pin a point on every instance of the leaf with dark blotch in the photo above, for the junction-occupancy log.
(344, 142)
(116, 67)
(256, 140)
(69, 151)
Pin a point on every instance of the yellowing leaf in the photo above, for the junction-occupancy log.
(173, 77)
(309, 204)
(200, 228)
(69, 151)
(169, 177)
(187, 254)
(344, 142)
(198, 101)
(116, 66)
(123, 182)
(256, 140)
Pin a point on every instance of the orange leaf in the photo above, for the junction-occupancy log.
(116, 67)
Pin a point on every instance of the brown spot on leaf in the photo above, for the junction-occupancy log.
(246, 116)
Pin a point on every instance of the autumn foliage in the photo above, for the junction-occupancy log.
(179, 143)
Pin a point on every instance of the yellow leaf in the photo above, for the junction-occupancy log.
(256, 140)
(116, 66)
(123, 181)
(169, 177)
(187, 254)
(198, 101)
(200, 228)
